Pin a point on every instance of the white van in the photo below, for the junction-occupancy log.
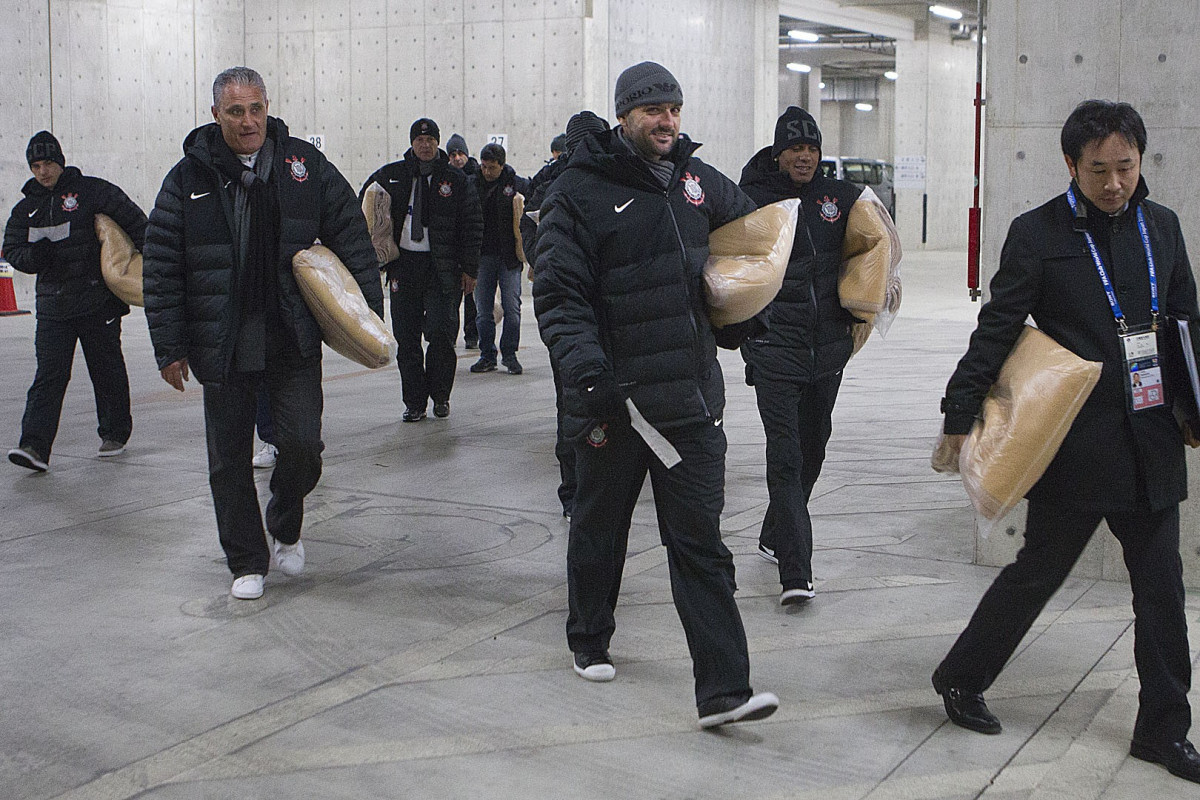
(863, 172)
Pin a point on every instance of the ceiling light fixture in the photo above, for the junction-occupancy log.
(945, 12)
(891, 75)
(795, 66)
(863, 106)
(803, 36)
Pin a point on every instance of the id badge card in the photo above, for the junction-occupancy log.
(1143, 370)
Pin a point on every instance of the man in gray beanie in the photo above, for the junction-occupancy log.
(617, 291)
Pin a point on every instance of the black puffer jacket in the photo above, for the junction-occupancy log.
(537, 196)
(619, 285)
(451, 214)
(805, 344)
(190, 261)
(496, 201)
(69, 283)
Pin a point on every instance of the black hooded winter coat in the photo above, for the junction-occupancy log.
(69, 283)
(190, 258)
(618, 286)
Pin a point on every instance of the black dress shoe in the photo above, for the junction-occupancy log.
(966, 709)
(413, 415)
(1180, 758)
(441, 410)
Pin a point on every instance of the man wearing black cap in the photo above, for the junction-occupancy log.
(438, 228)
(796, 366)
(52, 234)
(619, 303)
(460, 156)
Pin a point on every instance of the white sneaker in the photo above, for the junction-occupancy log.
(289, 557)
(265, 457)
(803, 594)
(247, 587)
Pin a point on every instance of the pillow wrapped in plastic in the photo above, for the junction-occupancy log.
(120, 263)
(747, 260)
(518, 210)
(869, 282)
(348, 324)
(1026, 416)
(377, 208)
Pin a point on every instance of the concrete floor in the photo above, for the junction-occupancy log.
(422, 655)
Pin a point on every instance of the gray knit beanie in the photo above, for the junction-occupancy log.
(646, 84)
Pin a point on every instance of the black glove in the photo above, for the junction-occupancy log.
(731, 337)
(604, 399)
(43, 254)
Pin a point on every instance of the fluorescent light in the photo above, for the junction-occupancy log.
(804, 36)
(863, 106)
(798, 67)
(891, 75)
(946, 12)
(821, 85)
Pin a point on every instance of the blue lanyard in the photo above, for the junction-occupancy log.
(1108, 289)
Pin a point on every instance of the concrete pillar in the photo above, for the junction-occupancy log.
(813, 102)
(1043, 59)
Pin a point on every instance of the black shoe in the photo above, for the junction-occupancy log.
(28, 458)
(484, 365)
(797, 594)
(472, 344)
(595, 666)
(514, 367)
(768, 553)
(724, 710)
(412, 414)
(1180, 758)
(441, 410)
(966, 709)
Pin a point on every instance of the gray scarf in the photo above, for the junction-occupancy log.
(661, 168)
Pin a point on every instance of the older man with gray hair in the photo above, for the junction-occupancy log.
(222, 302)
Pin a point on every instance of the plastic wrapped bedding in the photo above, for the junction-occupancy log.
(1026, 416)
(747, 260)
(518, 210)
(869, 283)
(120, 263)
(377, 208)
(348, 325)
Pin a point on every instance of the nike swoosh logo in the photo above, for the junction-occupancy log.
(111, 321)
(198, 196)
(31, 213)
(393, 180)
(621, 208)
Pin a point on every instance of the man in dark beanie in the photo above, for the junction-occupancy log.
(52, 234)
(460, 156)
(619, 300)
(796, 366)
(222, 302)
(438, 228)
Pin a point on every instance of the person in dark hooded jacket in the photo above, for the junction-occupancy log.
(460, 156)
(619, 301)
(438, 229)
(52, 234)
(796, 365)
(222, 302)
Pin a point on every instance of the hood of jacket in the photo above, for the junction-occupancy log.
(610, 157)
(34, 189)
(762, 174)
(201, 143)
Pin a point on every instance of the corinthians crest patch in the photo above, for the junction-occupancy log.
(445, 189)
(70, 201)
(299, 171)
(693, 192)
(829, 209)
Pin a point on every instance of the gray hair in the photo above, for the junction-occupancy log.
(237, 76)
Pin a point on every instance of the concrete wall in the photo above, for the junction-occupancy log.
(935, 118)
(1043, 59)
(846, 131)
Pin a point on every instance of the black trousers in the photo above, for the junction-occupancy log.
(1055, 535)
(797, 420)
(296, 401)
(54, 346)
(564, 448)
(688, 500)
(422, 306)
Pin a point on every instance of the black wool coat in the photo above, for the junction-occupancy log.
(1112, 459)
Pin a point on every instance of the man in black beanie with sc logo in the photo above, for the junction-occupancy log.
(619, 301)
(438, 227)
(52, 234)
(796, 366)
